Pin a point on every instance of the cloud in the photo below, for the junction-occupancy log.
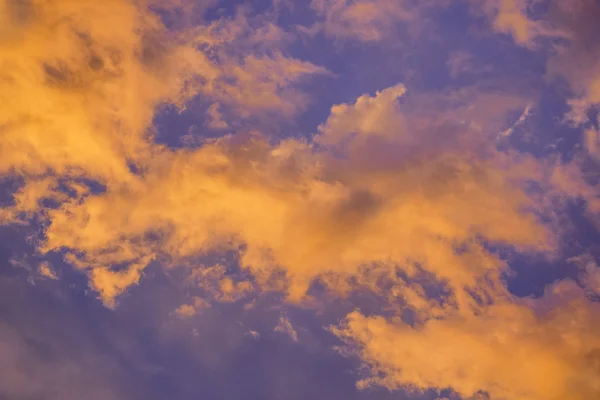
(567, 29)
(110, 66)
(46, 271)
(86, 69)
(308, 213)
(517, 123)
(510, 16)
(79, 110)
(265, 83)
(576, 58)
(462, 63)
(435, 186)
(370, 21)
(190, 310)
(252, 73)
(592, 279)
(369, 116)
(253, 334)
(589, 272)
(216, 120)
(405, 195)
(285, 326)
(515, 18)
(186, 311)
(546, 351)
(363, 20)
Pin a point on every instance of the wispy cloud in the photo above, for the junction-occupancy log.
(285, 326)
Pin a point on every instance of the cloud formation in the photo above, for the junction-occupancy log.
(285, 326)
(80, 108)
(310, 213)
(363, 20)
(545, 350)
(422, 197)
(82, 104)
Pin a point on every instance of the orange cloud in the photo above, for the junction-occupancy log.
(79, 107)
(309, 213)
(66, 99)
(81, 103)
(576, 58)
(381, 188)
(511, 17)
(545, 351)
(189, 310)
(436, 190)
(46, 271)
(253, 75)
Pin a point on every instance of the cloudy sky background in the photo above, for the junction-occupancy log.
(279, 199)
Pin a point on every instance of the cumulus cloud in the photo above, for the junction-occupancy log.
(406, 195)
(308, 213)
(79, 107)
(304, 212)
(545, 350)
(369, 116)
(73, 88)
(93, 89)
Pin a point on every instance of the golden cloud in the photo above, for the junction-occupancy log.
(576, 60)
(545, 350)
(514, 18)
(387, 187)
(309, 213)
(81, 102)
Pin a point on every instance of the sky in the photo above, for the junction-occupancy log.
(286, 199)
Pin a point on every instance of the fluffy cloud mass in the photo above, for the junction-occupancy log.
(510, 351)
(281, 179)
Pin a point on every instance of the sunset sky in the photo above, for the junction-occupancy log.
(300, 199)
